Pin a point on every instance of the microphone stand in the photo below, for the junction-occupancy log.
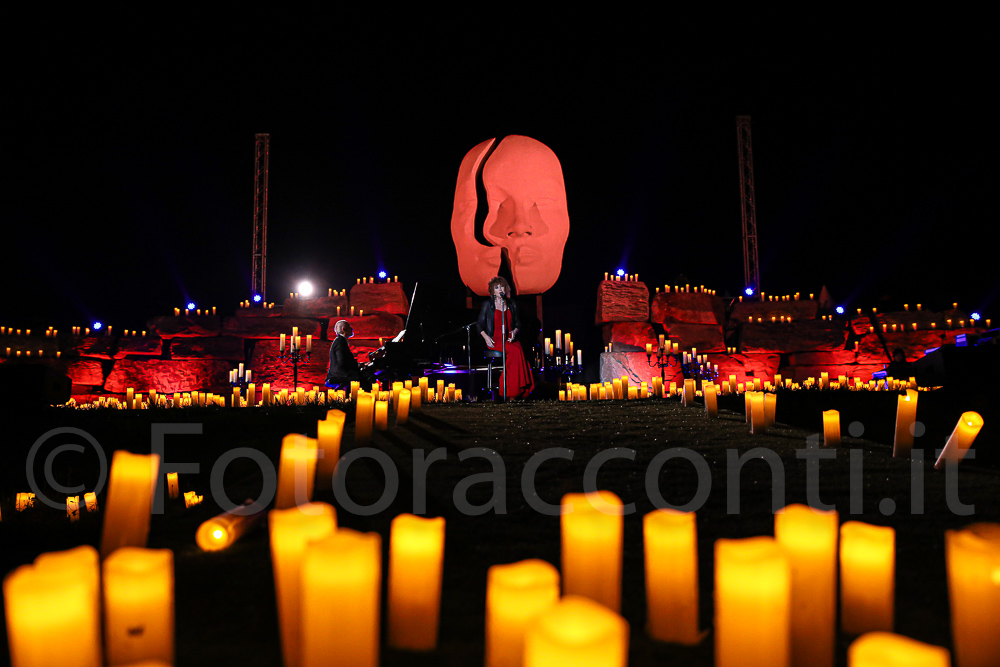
(468, 349)
(503, 348)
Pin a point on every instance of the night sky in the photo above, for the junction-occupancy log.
(130, 170)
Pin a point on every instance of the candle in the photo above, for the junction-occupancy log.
(671, 558)
(381, 415)
(73, 508)
(403, 408)
(139, 606)
(906, 414)
(342, 578)
(416, 555)
(291, 530)
(687, 398)
(867, 577)
(752, 603)
(53, 610)
(559, 344)
(281, 343)
(329, 433)
(885, 649)
(809, 538)
(711, 400)
(130, 500)
(961, 438)
(758, 420)
(296, 471)
(592, 533)
(831, 428)
(221, 531)
(363, 416)
(173, 486)
(973, 557)
(515, 596)
(577, 632)
(770, 405)
(309, 343)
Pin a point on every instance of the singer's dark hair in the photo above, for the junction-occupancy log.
(498, 281)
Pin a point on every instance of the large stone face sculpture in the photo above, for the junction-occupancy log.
(527, 217)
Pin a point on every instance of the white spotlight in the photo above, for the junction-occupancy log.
(305, 288)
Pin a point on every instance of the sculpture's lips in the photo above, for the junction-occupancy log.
(527, 255)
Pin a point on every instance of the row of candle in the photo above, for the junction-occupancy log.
(27, 353)
(187, 311)
(371, 280)
(687, 288)
(240, 375)
(246, 304)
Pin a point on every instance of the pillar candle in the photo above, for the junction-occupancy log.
(752, 603)
(906, 415)
(711, 400)
(516, 595)
(831, 428)
(329, 433)
(671, 559)
(577, 632)
(592, 533)
(416, 557)
(885, 649)
(364, 417)
(291, 530)
(139, 605)
(867, 577)
(403, 409)
(173, 485)
(341, 586)
(53, 610)
(758, 423)
(809, 538)
(961, 438)
(381, 415)
(973, 557)
(617, 384)
(296, 471)
(130, 500)
(687, 399)
(73, 508)
(770, 405)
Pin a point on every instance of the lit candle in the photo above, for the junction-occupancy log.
(867, 577)
(309, 343)
(139, 606)
(559, 344)
(342, 579)
(90, 499)
(752, 603)
(364, 416)
(577, 632)
(221, 531)
(592, 534)
(758, 420)
(403, 408)
(291, 530)
(711, 400)
(515, 596)
(130, 500)
(73, 508)
(973, 557)
(329, 433)
(296, 471)
(173, 486)
(885, 649)
(671, 557)
(770, 405)
(809, 538)
(831, 428)
(53, 610)
(961, 438)
(381, 415)
(906, 415)
(281, 343)
(416, 556)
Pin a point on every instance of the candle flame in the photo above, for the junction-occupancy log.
(217, 534)
(996, 576)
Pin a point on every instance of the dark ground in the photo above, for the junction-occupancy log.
(225, 601)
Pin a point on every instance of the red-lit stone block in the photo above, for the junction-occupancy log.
(168, 375)
(319, 307)
(219, 347)
(94, 347)
(270, 327)
(622, 301)
(704, 337)
(803, 336)
(687, 307)
(85, 372)
(171, 326)
(636, 367)
(629, 336)
(379, 298)
(824, 358)
(144, 346)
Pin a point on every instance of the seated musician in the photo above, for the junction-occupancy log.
(344, 368)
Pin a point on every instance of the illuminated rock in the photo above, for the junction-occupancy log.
(140, 346)
(797, 310)
(171, 326)
(526, 215)
(636, 367)
(622, 301)
(744, 366)
(318, 307)
(687, 307)
(85, 372)
(94, 347)
(629, 336)
(168, 376)
(379, 325)
(269, 327)
(829, 357)
(218, 347)
(377, 298)
(705, 337)
(804, 336)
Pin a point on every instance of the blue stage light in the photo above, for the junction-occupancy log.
(191, 305)
(840, 310)
(97, 326)
(975, 316)
(748, 291)
(382, 275)
(257, 298)
(620, 272)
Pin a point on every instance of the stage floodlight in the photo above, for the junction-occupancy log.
(97, 326)
(382, 275)
(975, 316)
(840, 310)
(620, 272)
(305, 288)
(191, 305)
(748, 291)
(257, 298)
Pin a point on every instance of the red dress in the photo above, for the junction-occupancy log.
(518, 375)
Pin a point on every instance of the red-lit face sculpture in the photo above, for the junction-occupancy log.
(527, 216)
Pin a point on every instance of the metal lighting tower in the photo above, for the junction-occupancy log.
(748, 205)
(261, 151)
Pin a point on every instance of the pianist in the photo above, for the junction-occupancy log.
(344, 368)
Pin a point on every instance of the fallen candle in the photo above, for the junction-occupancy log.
(221, 531)
(961, 439)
